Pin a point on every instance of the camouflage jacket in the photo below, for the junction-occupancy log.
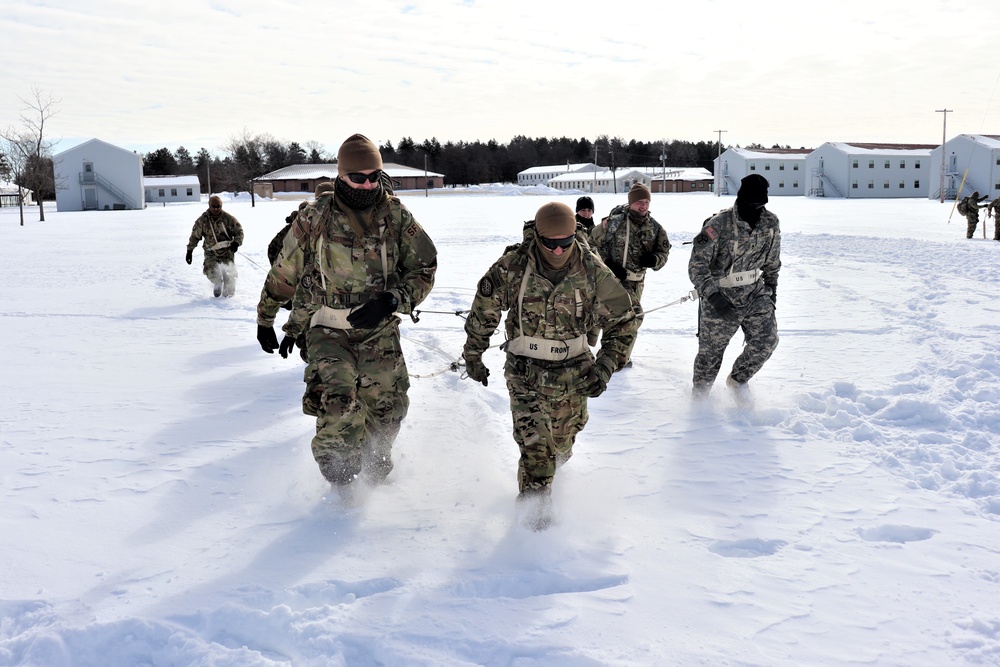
(727, 244)
(329, 259)
(608, 239)
(215, 229)
(587, 296)
(274, 247)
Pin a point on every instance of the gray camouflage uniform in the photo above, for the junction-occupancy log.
(547, 400)
(994, 210)
(216, 233)
(356, 379)
(727, 245)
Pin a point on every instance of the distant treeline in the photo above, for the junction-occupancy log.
(462, 163)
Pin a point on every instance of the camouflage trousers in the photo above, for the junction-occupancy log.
(760, 332)
(971, 220)
(221, 272)
(356, 388)
(548, 409)
(634, 290)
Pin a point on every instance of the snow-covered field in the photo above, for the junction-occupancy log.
(160, 505)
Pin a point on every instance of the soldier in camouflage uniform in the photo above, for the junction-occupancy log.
(994, 210)
(223, 235)
(555, 292)
(972, 207)
(355, 257)
(630, 241)
(734, 267)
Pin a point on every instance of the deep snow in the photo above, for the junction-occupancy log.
(161, 507)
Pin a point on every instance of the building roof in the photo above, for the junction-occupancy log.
(774, 153)
(319, 172)
(73, 149)
(990, 140)
(169, 181)
(682, 174)
(559, 168)
(883, 149)
(621, 172)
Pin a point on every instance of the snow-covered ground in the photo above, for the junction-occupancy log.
(160, 505)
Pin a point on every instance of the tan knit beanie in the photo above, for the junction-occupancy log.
(555, 219)
(638, 192)
(323, 186)
(358, 153)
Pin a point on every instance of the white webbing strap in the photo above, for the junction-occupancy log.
(332, 318)
(546, 349)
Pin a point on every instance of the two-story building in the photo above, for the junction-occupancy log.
(869, 171)
(96, 175)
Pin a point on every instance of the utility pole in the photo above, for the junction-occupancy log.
(663, 165)
(594, 189)
(944, 139)
(718, 165)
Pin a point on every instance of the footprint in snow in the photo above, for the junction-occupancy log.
(752, 548)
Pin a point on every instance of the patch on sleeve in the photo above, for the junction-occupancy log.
(708, 234)
(411, 231)
(486, 286)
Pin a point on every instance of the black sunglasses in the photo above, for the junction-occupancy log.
(215, 206)
(358, 179)
(552, 244)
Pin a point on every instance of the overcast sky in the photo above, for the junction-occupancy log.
(142, 76)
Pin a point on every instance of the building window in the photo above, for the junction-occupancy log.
(163, 193)
(304, 187)
(190, 192)
(767, 167)
(855, 164)
(781, 184)
(149, 194)
(173, 192)
(886, 164)
(916, 165)
(854, 185)
(902, 185)
(902, 164)
(871, 164)
(795, 167)
(871, 185)
(795, 184)
(781, 167)
(753, 166)
(916, 184)
(885, 185)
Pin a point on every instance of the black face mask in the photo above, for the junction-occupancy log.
(749, 212)
(357, 198)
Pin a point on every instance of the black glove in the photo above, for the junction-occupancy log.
(267, 339)
(476, 370)
(376, 309)
(287, 343)
(647, 260)
(722, 306)
(234, 246)
(617, 269)
(774, 293)
(187, 257)
(597, 380)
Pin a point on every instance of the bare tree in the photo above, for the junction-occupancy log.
(248, 155)
(29, 152)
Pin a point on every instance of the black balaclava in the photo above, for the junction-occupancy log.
(751, 198)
